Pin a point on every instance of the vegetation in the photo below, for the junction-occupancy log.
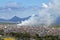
(28, 36)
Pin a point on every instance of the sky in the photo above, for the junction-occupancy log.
(20, 8)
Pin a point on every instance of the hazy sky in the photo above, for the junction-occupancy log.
(20, 8)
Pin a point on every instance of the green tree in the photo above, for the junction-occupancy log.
(26, 36)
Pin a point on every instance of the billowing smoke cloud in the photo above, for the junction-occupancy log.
(46, 16)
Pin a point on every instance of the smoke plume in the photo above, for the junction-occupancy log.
(46, 16)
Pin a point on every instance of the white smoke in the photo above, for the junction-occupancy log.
(46, 16)
(32, 21)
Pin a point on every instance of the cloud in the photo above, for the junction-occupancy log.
(16, 7)
(44, 5)
(12, 4)
(2, 17)
(46, 16)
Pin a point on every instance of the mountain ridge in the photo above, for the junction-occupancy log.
(14, 19)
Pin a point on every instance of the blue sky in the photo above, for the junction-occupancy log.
(20, 8)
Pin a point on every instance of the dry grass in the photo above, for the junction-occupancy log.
(10, 38)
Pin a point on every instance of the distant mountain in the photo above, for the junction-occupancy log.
(14, 19)
(1, 19)
(17, 19)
